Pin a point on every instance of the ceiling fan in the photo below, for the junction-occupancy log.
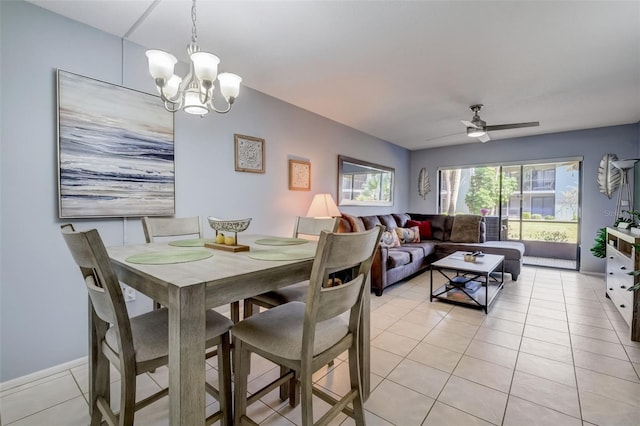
(477, 128)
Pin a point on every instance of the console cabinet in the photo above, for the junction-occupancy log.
(622, 258)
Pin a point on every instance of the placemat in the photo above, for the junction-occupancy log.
(196, 242)
(166, 257)
(281, 255)
(281, 241)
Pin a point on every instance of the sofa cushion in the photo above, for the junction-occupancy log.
(423, 226)
(438, 227)
(397, 258)
(428, 247)
(408, 235)
(389, 239)
(416, 252)
(356, 223)
(388, 221)
(466, 229)
(511, 250)
(401, 219)
(370, 221)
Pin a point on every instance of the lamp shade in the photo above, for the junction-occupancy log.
(323, 206)
(172, 86)
(229, 85)
(161, 64)
(205, 65)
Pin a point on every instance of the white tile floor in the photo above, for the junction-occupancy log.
(551, 351)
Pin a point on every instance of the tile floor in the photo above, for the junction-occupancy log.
(550, 262)
(551, 351)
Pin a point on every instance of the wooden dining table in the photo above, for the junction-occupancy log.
(188, 289)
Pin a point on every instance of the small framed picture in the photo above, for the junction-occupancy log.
(249, 154)
(299, 175)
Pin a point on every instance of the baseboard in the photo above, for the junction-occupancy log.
(19, 381)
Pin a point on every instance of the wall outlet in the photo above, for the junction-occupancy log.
(128, 293)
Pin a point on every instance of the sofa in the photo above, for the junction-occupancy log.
(393, 264)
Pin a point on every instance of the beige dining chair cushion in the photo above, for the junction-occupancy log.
(279, 331)
(150, 336)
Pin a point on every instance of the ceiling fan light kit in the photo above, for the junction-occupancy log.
(475, 133)
(194, 93)
(477, 127)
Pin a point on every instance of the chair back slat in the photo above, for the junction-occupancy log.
(99, 300)
(101, 282)
(155, 227)
(312, 227)
(337, 300)
(338, 252)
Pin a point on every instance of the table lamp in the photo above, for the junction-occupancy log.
(323, 206)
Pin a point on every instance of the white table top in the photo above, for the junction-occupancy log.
(485, 264)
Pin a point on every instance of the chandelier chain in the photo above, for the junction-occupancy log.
(194, 32)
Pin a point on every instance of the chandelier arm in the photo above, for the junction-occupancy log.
(206, 98)
(206, 86)
(167, 106)
(221, 111)
(165, 98)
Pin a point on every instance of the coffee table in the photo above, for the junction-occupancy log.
(474, 283)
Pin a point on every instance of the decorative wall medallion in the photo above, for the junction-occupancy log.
(249, 154)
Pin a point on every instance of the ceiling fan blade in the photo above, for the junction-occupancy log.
(444, 136)
(469, 124)
(513, 126)
(484, 138)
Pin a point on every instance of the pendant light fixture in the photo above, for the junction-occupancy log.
(194, 93)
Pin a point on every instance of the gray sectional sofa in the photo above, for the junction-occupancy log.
(394, 264)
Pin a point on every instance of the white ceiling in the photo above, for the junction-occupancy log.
(407, 72)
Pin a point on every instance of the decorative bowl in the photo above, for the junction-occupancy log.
(229, 225)
(470, 258)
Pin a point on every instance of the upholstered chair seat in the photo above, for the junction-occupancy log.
(150, 335)
(279, 331)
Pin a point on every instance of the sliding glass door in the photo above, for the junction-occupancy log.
(538, 204)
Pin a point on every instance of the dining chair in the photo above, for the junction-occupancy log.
(307, 228)
(303, 337)
(156, 227)
(134, 345)
(169, 228)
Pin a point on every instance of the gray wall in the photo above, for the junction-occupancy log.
(592, 144)
(43, 306)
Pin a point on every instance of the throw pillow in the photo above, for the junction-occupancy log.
(355, 222)
(424, 227)
(466, 229)
(389, 239)
(408, 235)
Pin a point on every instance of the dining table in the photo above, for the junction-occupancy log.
(220, 277)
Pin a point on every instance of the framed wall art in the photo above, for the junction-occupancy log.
(299, 175)
(249, 154)
(115, 151)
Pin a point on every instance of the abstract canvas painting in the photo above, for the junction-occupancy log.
(115, 151)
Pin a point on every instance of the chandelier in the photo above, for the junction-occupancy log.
(194, 93)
